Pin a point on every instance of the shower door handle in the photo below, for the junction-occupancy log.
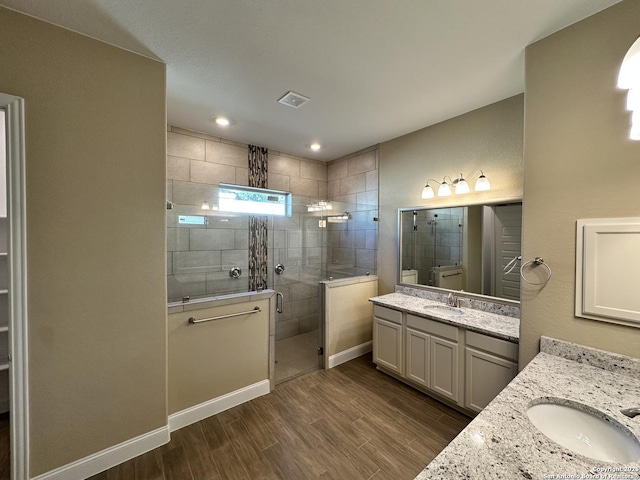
(279, 302)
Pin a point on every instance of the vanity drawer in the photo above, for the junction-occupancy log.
(387, 314)
(493, 345)
(436, 328)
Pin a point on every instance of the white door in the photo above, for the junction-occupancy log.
(508, 244)
(16, 294)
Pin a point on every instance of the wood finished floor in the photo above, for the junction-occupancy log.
(5, 447)
(348, 423)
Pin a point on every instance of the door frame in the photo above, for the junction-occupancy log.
(18, 327)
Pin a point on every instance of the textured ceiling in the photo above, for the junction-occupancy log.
(374, 69)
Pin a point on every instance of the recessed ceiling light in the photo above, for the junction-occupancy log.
(222, 121)
(315, 147)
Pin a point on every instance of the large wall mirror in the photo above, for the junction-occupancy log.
(462, 248)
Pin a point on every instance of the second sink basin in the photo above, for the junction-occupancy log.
(584, 430)
(438, 309)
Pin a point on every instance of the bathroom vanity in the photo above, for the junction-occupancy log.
(503, 443)
(462, 356)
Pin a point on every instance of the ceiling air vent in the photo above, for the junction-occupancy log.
(293, 99)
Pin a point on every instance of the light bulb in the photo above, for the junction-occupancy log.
(444, 190)
(315, 147)
(461, 186)
(222, 121)
(482, 184)
(633, 99)
(427, 192)
(629, 75)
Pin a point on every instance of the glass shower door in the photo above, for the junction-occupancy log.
(297, 262)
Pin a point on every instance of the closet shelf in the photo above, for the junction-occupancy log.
(4, 292)
(4, 366)
(4, 329)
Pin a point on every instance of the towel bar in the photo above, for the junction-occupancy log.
(451, 275)
(194, 321)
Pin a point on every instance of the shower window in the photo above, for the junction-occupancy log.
(257, 201)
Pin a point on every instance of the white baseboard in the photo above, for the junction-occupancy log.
(350, 354)
(219, 404)
(110, 457)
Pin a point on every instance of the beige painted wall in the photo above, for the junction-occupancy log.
(95, 150)
(489, 138)
(579, 163)
(208, 360)
(349, 314)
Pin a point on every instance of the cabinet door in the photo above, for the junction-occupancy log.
(444, 367)
(387, 345)
(418, 348)
(486, 375)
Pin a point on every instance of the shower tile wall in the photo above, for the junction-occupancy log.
(353, 187)
(297, 242)
(194, 163)
(432, 244)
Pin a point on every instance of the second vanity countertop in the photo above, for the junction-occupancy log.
(501, 443)
(499, 326)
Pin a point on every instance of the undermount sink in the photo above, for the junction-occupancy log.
(444, 309)
(584, 430)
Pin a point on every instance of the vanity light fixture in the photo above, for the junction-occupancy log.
(629, 79)
(444, 190)
(460, 186)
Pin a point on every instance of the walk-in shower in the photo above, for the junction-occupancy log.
(211, 252)
(431, 238)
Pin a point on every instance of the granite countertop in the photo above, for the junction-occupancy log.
(500, 326)
(501, 443)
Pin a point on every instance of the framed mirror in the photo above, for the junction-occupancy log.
(462, 248)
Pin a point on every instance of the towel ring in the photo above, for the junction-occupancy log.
(535, 261)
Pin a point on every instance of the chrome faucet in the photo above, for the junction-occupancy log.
(631, 412)
(452, 300)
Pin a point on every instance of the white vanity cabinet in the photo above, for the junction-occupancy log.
(432, 355)
(461, 367)
(387, 339)
(491, 363)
